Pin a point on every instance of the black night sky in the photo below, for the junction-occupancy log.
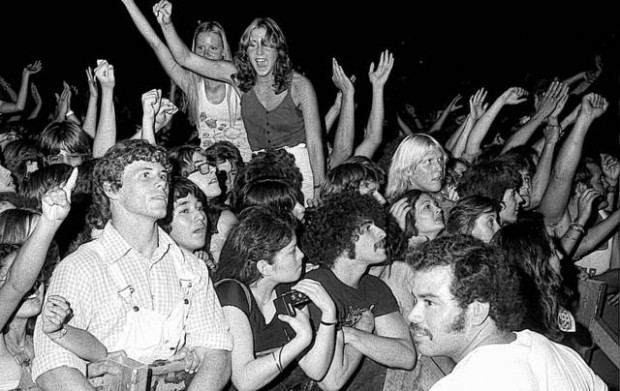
(436, 48)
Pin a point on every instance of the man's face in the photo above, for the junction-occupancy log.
(370, 244)
(438, 325)
(511, 203)
(429, 174)
(189, 223)
(145, 190)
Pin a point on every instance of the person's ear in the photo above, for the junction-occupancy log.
(264, 268)
(109, 191)
(478, 312)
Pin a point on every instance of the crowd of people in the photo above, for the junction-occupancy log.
(283, 247)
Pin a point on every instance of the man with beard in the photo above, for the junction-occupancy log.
(343, 236)
(467, 308)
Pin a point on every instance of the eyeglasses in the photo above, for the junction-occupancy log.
(203, 168)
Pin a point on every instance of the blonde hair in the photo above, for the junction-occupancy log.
(407, 156)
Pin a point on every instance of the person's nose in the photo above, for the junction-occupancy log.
(416, 315)
(380, 233)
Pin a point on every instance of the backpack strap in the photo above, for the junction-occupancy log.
(243, 286)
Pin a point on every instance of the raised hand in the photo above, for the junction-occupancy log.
(33, 68)
(92, 83)
(55, 313)
(378, 77)
(35, 94)
(453, 105)
(399, 211)
(167, 110)
(163, 12)
(514, 95)
(593, 105)
(561, 100)
(550, 98)
(477, 104)
(56, 203)
(611, 168)
(340, 79)
(151, 103)
(586, 204)
(63, 101)
(105, 74)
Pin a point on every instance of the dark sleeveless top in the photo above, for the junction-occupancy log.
(280, 127)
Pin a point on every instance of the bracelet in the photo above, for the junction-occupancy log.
(335, 322)
(317, 186)
(69, 113)
(61, 333)
(612, 189)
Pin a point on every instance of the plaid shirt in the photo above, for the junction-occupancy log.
(85, 280)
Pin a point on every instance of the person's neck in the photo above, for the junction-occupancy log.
(349, 271)
(263, 290)
(16, 333)
(263, 82)
(139, 233)
(485, 334)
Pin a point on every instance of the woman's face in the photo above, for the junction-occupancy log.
(204, 176)
(189, 223)
(485, 226)
(209, 44)
(287, 263)
(428, 216)
(262, 57)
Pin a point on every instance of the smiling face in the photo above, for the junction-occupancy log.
(428, 216)
(189, 223)
(438, 324)
(209, 44)
(429, 173)
(144, 191)
(261, 54)
(485, 226)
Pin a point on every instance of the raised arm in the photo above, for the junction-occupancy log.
(90, 120)
(512, 96)
(556, 93)
(452, 106)
(105, 137)
(151, 103)
(218, 70)
(373, 133)
(345, 134)
(20, 278)
(38, 102)
(540, 180)
(20, 102)
(8, 89)
(477, 106)
(555, 199)
(176, 72)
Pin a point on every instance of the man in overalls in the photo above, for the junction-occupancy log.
(132, 287)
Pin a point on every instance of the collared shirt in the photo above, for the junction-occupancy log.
(85, 280)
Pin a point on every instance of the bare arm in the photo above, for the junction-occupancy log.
(452, 106)
(598, 233)
(105, 137)
(64, 378)
(20, 102)
(373, 133)
(540, 180)
(214, 370)
(218, 70)
(37, 101)
(90, 121)
(556, 196)
(343, 140)
(458, 141)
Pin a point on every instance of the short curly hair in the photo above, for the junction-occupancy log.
(109, 169)
(480, 273)
(350, 175)
(330, 230)
(489, 178)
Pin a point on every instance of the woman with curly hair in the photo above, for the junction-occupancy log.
(279, 106)
(529, 247)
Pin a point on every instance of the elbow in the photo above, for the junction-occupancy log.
(333, 384)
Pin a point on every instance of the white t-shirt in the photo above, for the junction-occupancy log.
(531, 362)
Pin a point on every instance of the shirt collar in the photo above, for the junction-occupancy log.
(115, 246)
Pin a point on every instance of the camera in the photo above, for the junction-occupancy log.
(286, 303)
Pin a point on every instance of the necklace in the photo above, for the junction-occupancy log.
(23, 355)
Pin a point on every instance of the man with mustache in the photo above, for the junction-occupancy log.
(133, 287)
(467, 307)
(343, 236)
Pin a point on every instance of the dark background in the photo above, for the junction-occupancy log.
(439, 49)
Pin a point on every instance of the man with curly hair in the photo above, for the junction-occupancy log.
(344, 237)
(133, 287)
(467, 305)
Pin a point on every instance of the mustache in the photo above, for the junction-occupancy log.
(380, 244)
(417, 329)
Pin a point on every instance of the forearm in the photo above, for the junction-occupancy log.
(81, 343)
(7, 88)
(105, 137)
(458, 141)
(148, 133)
(344, 137)
(522, 136)
(35, 112)
(598, 233)
(344, 364)
(214, 371)
(481, 128)
(440, 121)
(330, 118)
(90, 121)
(316, 362)
(392, 352)
(317, 161)
(20, 103)
(373, 133)
(540, 180)
(64, 378)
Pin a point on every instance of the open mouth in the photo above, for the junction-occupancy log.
(419, 332)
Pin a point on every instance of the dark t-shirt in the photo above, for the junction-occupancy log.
(267, 335)
(352, 302)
